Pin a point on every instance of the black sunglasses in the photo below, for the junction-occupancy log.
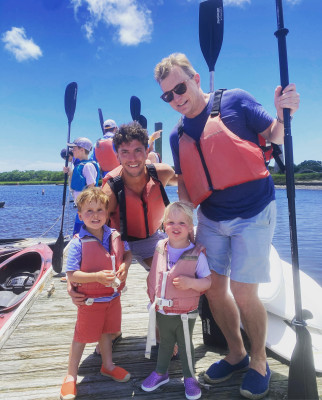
(180, 88)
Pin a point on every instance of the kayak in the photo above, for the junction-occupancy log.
(22, 277)
(277, 297)
(9, 247)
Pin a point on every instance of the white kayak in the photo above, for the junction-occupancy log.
(278, 299)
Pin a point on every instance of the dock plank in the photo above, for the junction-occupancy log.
(34, 359)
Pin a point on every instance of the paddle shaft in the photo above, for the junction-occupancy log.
(289, 164)
(100, 115)
(65, 182)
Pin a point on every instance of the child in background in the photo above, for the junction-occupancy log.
(99, 261)
(86, 173)
(178, 275)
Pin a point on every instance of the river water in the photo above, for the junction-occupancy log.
(29, 213)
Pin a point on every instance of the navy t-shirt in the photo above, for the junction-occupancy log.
(245, 117)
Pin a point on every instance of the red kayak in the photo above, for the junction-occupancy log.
(22, 278)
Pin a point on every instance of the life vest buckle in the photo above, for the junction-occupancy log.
(89, 301)
(164, 302)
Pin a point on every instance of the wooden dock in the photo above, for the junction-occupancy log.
(34, 360)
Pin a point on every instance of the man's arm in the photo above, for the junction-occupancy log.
(182, 191)
(165, 173)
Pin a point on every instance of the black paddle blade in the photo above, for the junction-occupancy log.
(211, 30)
(70, 100)
(302, 376)
(100, 115)
(143, 122)
(135, 107)
(58, 253)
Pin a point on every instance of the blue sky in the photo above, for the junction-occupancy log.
(110, 48)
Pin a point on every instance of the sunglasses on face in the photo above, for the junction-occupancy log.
(180, 88)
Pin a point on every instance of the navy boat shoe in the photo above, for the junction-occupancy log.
(255, 386)
(221, 370)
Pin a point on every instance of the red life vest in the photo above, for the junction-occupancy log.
(137, 217)
(105, 154)
(95, 258)
(183, 300)
(220, 159)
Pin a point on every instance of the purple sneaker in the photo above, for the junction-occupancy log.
(192, 389)
(153, 381)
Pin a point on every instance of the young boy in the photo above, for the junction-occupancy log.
(178, 275)
(99, 261)
(86, 172)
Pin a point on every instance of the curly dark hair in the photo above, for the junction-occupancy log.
(128, 132)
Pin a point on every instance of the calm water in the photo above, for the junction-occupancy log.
(28, 213)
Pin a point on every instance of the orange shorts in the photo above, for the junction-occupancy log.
(93, 321)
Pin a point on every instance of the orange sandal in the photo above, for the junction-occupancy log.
(118, 374)
(68, 390)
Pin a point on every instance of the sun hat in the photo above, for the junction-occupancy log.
(109, 124)
(81, 142)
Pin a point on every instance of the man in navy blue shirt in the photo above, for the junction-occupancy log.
(221, 167)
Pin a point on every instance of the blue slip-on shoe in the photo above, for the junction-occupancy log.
(221, 370)
(255, 386)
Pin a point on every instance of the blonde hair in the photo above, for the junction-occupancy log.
(163, 69)
(92, 194)
(182, 206)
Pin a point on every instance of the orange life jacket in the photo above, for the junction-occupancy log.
(105, 154)
(137, 217)
(183, 300)
(96, 258)
(220, 159)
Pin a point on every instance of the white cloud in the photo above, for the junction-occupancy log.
(132, 21)
(17, 43)
(237, 3)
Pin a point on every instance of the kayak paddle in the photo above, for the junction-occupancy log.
(302, 376)
(100, 115)
(211, 31)
(70, 105)
(135, 108)
(143, 122)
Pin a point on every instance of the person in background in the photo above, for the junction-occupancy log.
(98, 261)
(104, 152)
(85, 173)
(178, 275)
(153, 156)
(221, 167)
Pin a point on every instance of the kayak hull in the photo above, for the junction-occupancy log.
(34, 263)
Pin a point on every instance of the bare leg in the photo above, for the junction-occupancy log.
(106, 351)
(254, 319)
(75, 355)
(226, 314)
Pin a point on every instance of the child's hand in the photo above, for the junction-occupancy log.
(122, 272)
(105, 277)
(182, 282)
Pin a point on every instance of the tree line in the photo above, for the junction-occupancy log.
(31, 176)
(305, 167)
